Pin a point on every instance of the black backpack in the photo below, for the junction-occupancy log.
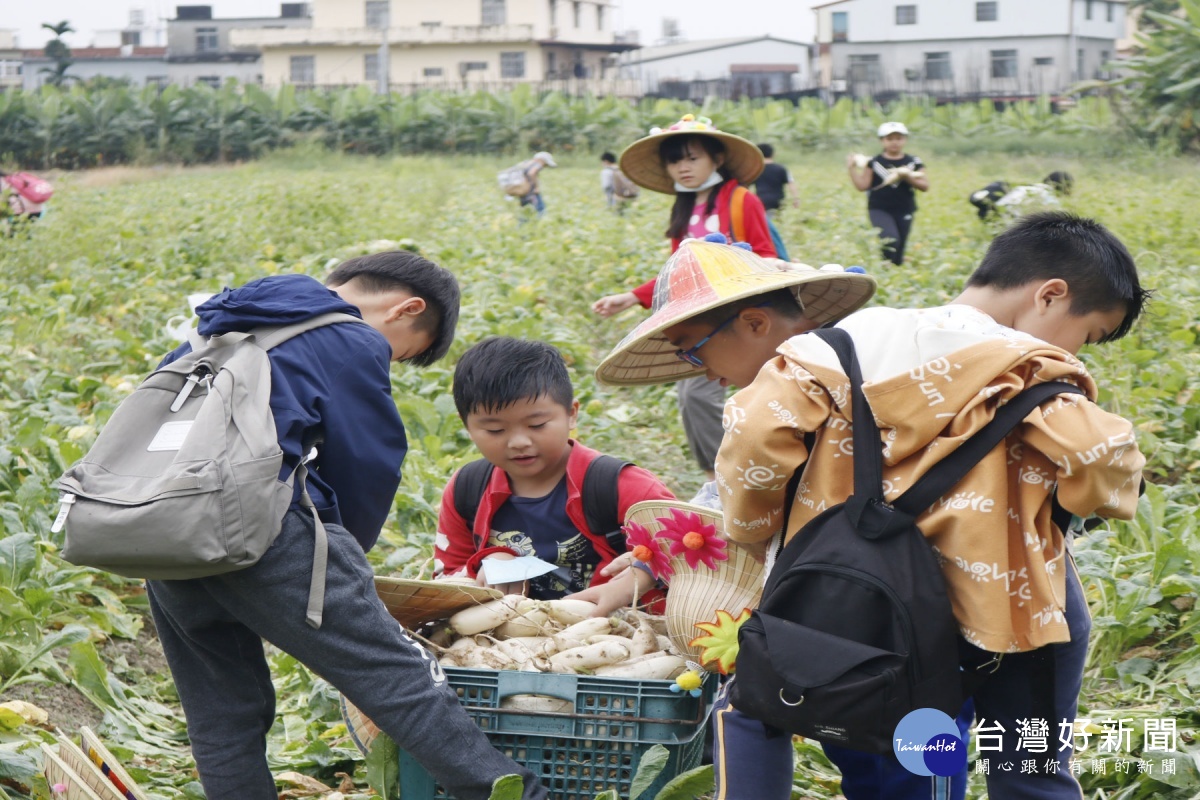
(600, 495)
(854, 629)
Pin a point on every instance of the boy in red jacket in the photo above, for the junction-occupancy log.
(517, 403)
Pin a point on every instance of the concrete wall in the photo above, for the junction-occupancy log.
(971, 64)
(713, 64)
(138, 70)
(551, 19)
(344, 65)
(875, 20)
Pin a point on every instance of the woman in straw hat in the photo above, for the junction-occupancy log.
(721, 313)
(707, 171)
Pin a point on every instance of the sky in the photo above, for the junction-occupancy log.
(698, 19)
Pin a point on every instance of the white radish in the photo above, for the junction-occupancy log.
(523, 648)
(660, 667)
(607, 637)
(568, 611)
(644, 641)
(580, 632)
(589, 657)
(665, 644)
(486, 616)
(534, 622)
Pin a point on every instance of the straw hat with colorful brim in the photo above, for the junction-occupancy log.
(642, 164)
(703, 275)
(697, 594)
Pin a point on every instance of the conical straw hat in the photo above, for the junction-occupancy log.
(642, 164)
(695, 595)
(703, 275)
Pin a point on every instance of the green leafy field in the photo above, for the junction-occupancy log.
(85, 296)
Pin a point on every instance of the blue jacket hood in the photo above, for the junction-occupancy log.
(274, 300)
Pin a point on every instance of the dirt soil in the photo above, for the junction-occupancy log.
(130, 660)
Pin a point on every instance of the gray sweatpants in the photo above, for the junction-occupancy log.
(701, 404)
(212, 630)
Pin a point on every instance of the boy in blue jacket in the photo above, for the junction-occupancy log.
(331, 386)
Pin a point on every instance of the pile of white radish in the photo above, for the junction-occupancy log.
(517, 633)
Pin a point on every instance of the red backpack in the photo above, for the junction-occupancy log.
(29, 187)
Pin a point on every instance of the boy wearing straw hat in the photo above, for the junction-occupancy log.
(722, 313)
(1050, 284)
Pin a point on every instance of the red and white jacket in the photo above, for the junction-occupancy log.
(458, 551)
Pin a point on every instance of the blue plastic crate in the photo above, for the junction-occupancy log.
(577, 755)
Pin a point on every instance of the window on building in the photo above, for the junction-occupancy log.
(1111, 12)
(987, 11)
(599, 16)
(937, 67)
(494, 12)
(1044, 61)
(432, 72)
(206, 40)
(303, 69)
(1079, 60)
(473, 66)
(906, 15)
(578, 8)
(213, 81)
(841, 26)
(377, 14)
(371, 66)
(512, 65)
(10, 69)
(553, 12)
(1087, 9)
(131, 37)
(1103, 69)
(551, 64)
(1004, 63)
(158, 81)
(865, 68)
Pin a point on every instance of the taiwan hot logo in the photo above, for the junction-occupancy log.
(927, 742)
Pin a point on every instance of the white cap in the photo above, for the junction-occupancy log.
(888, 128)
(545, 158)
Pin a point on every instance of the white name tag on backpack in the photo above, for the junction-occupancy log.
(170, 436)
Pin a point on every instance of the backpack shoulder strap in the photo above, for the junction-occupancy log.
(469, 487)
(268, 337)
(601, 497)
(943, 476)
(737, 213)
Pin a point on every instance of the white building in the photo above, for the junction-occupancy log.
(11, 60)
(141, 66)
(758, 66)
(199, 48)
(965, 48)
(445, 43)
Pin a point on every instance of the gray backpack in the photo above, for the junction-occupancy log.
(183, 481)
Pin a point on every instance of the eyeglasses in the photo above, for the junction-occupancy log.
(690, 356)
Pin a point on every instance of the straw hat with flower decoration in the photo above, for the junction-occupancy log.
(704, 274)
(713, 583)
(642, 164)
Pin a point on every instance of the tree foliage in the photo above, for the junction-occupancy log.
(1161, 87)
(102, 122)
(58, 51)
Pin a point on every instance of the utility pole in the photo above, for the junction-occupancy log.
(382, 73)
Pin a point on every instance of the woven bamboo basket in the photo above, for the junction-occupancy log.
(99, 755)
(362, 730)
(414, 602)
(695, 595)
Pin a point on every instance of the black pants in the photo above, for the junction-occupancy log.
(893, 230)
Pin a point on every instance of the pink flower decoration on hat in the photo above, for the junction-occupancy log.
(693, 539)
(647, 549)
